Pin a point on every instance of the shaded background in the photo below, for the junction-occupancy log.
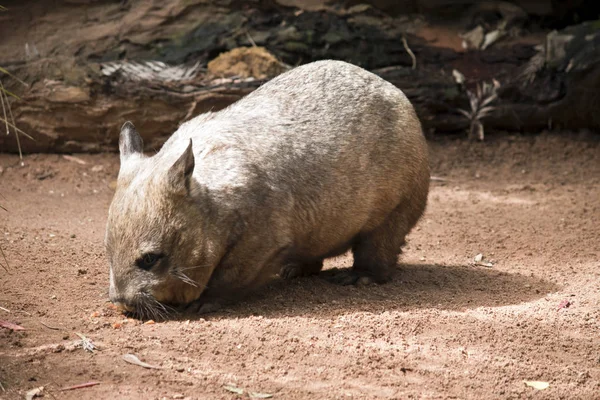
(84, 61)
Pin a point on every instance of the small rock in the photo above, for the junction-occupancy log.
(97, 168)
(478, 257)
(179, 369)
(178, 396)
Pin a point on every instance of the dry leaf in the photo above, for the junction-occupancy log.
(132, 359)
(10, 325)
(149, 322)
(233, 389)
(256, 395)
(37, 392)
(117, 325)
(538, 385)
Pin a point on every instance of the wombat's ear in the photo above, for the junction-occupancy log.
(180, 173)
(130, 141)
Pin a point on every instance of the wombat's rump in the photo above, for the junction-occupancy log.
(324, 158)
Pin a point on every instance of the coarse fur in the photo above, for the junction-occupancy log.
(322, 159)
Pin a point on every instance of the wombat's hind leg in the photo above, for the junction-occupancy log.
(296, 269)
(376, 252)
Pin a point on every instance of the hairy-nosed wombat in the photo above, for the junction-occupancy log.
(324, 158)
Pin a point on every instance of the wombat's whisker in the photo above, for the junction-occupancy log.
(184, 278)
(146, 309)
(156, 309)
(194, 267)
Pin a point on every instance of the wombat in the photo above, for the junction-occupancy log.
(324, 158)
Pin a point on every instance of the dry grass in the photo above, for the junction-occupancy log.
(7, 115)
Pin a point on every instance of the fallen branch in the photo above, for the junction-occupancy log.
(80, 386)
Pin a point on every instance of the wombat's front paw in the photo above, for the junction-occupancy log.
(295, 270)
(347, 277)
(198, 307)
(291, 271)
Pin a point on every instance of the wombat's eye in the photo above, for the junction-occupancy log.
(148, 260)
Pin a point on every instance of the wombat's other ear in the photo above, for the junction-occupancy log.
(180, 173)
(130, 141)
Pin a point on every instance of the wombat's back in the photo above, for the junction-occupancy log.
(333, 148)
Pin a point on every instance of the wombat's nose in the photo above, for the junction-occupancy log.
(122, 307)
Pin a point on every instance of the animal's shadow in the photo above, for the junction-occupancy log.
(414, 287)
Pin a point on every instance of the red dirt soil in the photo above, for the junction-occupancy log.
(444, 328)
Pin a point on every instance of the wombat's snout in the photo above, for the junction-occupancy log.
(122, 304)
(123, 307)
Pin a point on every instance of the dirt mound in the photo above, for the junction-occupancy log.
(246, 62)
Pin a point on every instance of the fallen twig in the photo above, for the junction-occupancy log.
(5, 261)
(50, 327)
(74, 159)
(410, 53)
(80, 386)
(4, 309)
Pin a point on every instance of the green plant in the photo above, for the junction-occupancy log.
(480, 101)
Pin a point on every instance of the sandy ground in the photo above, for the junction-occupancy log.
(444, 328)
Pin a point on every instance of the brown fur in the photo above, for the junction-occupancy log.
(322, 159)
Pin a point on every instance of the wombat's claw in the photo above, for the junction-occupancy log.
(291, 271)
(347, 277)
(197, 307)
